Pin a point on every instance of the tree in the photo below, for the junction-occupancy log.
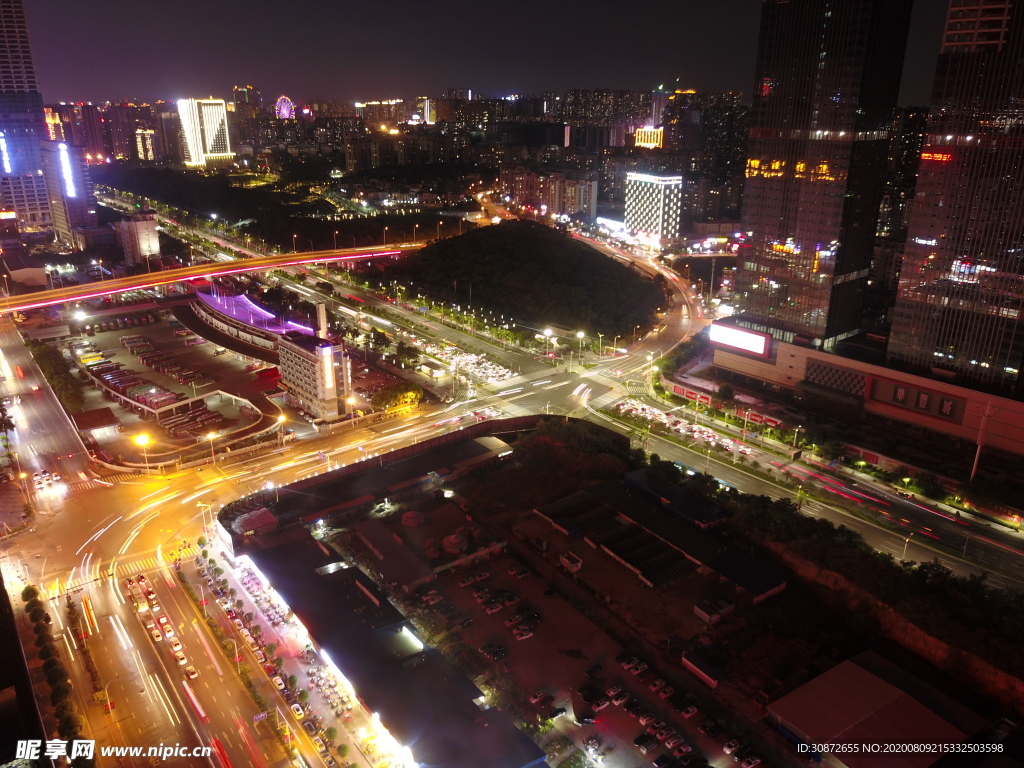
(69, 726)
(6, 422)
(56, 675)
(343, 750)
(44, 639)
(331, 733)
(65, 708)
(293, 681)
(278, 662)
(59, 692)
(247, 617)
(303, 696)
(379, 339)
(256, 630)
(726, 394)
(270, 649)
(29, 593)
(402, 395)
(238, 605)
(201, 542)
(36, 615)
(406, 354)
(47, 651)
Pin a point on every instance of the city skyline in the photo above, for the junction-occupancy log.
(172, 60)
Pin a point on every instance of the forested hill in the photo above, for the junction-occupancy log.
(537, 276)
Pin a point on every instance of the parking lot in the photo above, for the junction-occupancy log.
(567, 662)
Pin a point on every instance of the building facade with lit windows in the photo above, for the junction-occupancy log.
(22, 188)
(827, 77)
(139, 237)
(654, 208)
(204, 128)
(70, 189)
(959, 309)
(316, 374)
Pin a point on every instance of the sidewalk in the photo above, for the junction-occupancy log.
(312, 676)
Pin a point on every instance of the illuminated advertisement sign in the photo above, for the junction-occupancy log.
(327, 360)
(65, 170)
(941, 157)
(741, 339)
(649, 138)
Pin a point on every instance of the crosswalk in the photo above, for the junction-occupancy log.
(636, 388)
(151, 565)
(104, 482)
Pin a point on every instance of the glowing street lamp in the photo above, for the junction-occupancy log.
(385, 237)
(143, 440)
(295, 247)
(547, 339)
(580, 335)
(280, 427)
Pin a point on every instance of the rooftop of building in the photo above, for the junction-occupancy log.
(310, 343)
(422, 701)
(869, 698)
(366, 481)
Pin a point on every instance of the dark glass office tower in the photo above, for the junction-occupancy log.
(828, 73)
(961, 288)
(21, 123)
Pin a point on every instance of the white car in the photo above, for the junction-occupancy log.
(297, 711)
(175, 644)
(278, 683)
(180, 657)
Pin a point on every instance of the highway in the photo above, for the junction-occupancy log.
(255, 263)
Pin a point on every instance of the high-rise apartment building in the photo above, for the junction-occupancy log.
(21, 123)
(960, 302)
(204, 127)
(315, 373)
(69, 187)
(653, 207)
(827, 77)
(120, 122)
(147, 145)
(139, 237)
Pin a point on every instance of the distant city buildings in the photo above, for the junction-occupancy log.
(550, 192)
(653, 208)
(204, 128)
(69, 189)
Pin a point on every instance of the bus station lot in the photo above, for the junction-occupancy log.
(225, 371)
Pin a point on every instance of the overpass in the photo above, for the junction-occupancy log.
(255, 263)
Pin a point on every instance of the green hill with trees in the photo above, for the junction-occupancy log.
(536, 275)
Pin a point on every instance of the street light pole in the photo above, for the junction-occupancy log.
(213, 457)
(385, 237)
(906, 543)
(335, 239)
(143, 440)
(280, 429)
(580, 335)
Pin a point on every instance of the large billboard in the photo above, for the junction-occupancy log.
(741, 340)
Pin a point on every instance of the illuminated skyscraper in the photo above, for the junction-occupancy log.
(960, 301)
(204, 126)
(653, 207)
(69, 187)
(21, 123)
(827, 77)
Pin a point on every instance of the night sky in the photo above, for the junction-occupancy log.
(124, 49)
